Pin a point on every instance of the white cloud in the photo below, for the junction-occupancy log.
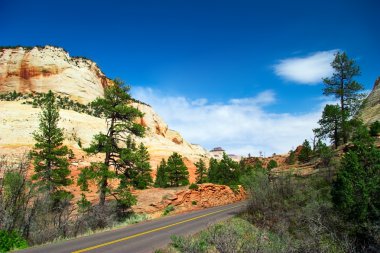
(241, 126)
(306, 70)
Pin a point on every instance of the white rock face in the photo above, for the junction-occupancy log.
(18, 121)
(50, 68)
(370, 111)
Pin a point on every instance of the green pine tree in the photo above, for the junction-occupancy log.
(306, 152)
(225, 172)
(201, 172)
(213, 170)
(291, 159)
(162, 175)
(356, 189)
(51, 166)
(116, 109)
(343, 86)
(178, 174)
(137, 168)
(330, 124)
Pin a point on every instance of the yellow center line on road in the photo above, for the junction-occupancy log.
(151, 231)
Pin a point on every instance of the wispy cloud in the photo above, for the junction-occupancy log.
(240, 125)
(306, 70)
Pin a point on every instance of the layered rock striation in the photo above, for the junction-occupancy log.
(41, 69)
(370, 110)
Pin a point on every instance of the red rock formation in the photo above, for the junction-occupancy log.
(154, 201)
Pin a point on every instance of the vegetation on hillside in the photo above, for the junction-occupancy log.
(49, 156)
(37, 99)
(38, 209)
(336, 209)
(172, 173)
(125, 161)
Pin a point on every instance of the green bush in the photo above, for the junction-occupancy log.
(11, 240)
(168, 210)
(233, 235)
(194, 203)
(193, 187)
(374, 128)
(291, 159)
(235, 188)
(272, 164)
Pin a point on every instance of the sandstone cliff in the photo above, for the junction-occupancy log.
(50, 68)
(370, 110)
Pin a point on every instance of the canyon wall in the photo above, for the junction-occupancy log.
(40, 69)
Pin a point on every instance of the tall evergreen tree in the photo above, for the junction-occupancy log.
(213, 170)
(330, 124)
(49, 154)
(116, 108)
(142, 177)
(201, 172)
(356, 190)
(343, 86)
(178, 174)
(226, 171)
(136, 167)
(162, 175)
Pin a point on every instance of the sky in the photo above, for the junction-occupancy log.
(243, 75)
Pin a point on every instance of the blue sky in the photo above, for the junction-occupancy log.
(199, 62)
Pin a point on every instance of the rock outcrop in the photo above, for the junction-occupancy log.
(41, 69)
(49, 68)
(370, 110)
(154, 201)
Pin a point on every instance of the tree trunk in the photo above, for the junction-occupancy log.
(336, 137)
(343, 120)
(102, 191)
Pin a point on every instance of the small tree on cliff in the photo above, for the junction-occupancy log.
(306, 152)
(162, 175)
(116, 109)
(178, 174)
(201, 172)
(49, 155)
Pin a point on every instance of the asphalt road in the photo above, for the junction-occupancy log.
(143, 237)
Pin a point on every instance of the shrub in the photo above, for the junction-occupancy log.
(374, 128)
(193, 187)
(11, 240)
(291, 159)
(233, 235)
(168, 210)
(235, 188)
(194, 203)
(189, 244)
(272, 164)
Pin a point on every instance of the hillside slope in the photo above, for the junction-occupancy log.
(41, 69)
(370, 110)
